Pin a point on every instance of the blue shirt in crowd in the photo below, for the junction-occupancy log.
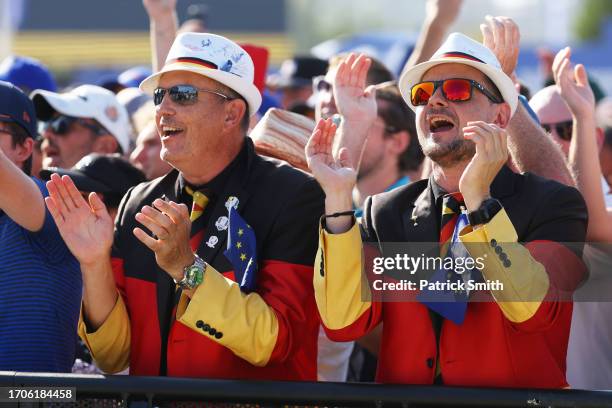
(40, 295)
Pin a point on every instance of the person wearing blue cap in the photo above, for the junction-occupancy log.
(34, 260)
(28, 74)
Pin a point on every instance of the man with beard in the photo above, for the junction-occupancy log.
(514, 224)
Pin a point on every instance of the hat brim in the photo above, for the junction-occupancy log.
(248, 91)
(414, 75)
(47, 103)
(80, 179)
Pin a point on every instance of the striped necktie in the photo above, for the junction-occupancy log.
(199, 203)
(451, 209)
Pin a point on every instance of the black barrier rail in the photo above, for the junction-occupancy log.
(158, 391)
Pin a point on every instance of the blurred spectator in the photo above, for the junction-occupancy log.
(27, 74)
(554, 115)
(40, 279)
(132, 100)
(109, 176)
(132, 77)
(589, 363)
(146, 155)
(294, 80)
(88, 119)
(325, 105)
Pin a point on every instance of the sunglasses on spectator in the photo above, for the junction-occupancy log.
(320, 84)
(183, 94)
(62, 124)
(453, 89)
(563, 129)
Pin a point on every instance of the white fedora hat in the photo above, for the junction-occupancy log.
(214, 57)
(460, 49)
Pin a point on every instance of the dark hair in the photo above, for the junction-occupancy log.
(399, 117)
(18, 137)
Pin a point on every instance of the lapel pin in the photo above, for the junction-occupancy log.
(222, 223)
(232, 201)
(212, 241)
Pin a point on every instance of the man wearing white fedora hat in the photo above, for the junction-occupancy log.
(503, 321)
(168, 300)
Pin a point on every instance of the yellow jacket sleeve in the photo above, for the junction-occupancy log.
(525, 281)
(341, 288)
(244, 323)
(110, 344)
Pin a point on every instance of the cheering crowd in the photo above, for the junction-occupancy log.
(185, 221)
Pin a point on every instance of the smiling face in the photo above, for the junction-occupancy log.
(193, 133)
(440, 123)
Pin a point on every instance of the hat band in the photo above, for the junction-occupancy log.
(194, 61)
(456, 54)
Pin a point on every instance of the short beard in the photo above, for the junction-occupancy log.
(450, 154)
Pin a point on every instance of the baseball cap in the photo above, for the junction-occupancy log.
(86, 101)
(26, 73)
(132, 77)
(109, 174)
(297, 71)
(461, 49)
(15, 106)
(215, 57)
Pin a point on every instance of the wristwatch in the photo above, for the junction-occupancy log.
(485, 213)
(193, 275)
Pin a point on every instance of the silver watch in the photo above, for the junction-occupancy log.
(193, 275)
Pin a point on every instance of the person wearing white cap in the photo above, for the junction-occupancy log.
(511, 330)
(211, 272)
(88, 119)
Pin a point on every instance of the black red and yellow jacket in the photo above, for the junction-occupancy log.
(518, 339)
(221, 332)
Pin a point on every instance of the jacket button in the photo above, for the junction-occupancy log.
(199, 324)
(507, 263)
(218, 335)
(430, 362)
(503, 256)
(498, 250)
(212, 331)
(206, 327)
(493, 243)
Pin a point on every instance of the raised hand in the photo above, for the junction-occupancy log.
(573, 84)
(491, 154)
(86, 227)
(502, 36)
(159, 8)
(443, 11)
(336, 176)
(171, 226)
(354, 101)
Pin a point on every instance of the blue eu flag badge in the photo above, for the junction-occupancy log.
(242, 251)
(450, 304)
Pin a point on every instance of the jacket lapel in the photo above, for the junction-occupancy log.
(420, 220)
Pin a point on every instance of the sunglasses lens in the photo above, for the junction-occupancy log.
(158, 96)
(60, 125)
(420, 93)
(564, 129)
(183, 94)
(457, 89)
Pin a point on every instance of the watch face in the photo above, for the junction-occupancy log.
(195, 276)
